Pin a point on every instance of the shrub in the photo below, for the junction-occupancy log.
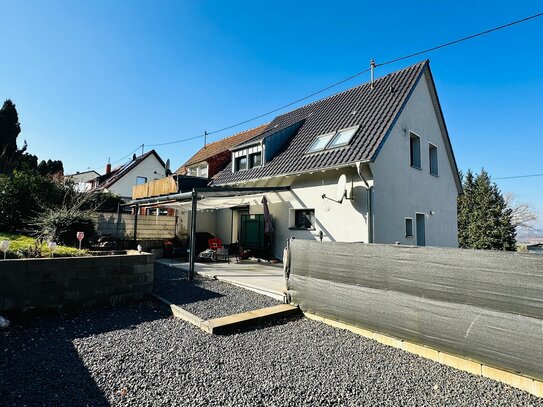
(21, 197)
(61, 225)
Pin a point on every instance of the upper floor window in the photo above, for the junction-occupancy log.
(255, 159)
(247, 158)
(240, 163)
(414, 150)
(336, 139)
(432, 150)
(198, 171)
(141, 180)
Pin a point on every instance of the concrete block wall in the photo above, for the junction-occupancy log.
(64, 284)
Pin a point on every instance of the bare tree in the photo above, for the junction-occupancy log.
(523, 216)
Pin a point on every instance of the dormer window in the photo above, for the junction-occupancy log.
(241, 163)
(333, 140)
(247, 158)
(255, 160)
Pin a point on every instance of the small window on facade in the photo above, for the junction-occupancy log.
(240, 163)
(343, 137)
(414, 150)
(320, 143)
(255, 160)
(193, 172)
(304, 218)
(202, 171)
(141, 180)
(433, 160)
(408, 227)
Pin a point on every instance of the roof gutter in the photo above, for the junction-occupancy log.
(292, 174)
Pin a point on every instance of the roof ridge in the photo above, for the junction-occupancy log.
(236, 134)
(356, 87)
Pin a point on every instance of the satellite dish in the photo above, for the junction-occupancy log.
(340, 190)
(167, 169)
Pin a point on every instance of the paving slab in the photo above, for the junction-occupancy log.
(264, 278)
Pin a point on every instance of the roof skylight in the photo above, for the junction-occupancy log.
(320, 143)
(333, 140)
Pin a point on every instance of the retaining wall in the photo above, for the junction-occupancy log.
(487, 306)
(63, 284)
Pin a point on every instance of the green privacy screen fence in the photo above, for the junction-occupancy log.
(483, 305)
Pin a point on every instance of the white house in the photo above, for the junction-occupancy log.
(139, 170)
(385, 144)
(83, 181)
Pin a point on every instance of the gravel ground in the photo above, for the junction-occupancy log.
(139, 356)
(205, 297)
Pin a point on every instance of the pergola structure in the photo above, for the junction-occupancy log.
(211, 198)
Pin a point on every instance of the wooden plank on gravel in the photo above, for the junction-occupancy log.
(219, 325)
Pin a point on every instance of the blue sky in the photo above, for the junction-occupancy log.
(93, 80)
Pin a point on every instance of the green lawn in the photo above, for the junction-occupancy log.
(20, 245)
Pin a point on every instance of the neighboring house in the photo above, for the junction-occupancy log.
(83, 181)
(385, 144)
(139, 170)
(214, 157)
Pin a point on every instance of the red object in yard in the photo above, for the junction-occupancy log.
(80, 235)
(214, 243)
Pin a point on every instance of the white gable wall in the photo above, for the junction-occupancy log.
(401, 191)
(146, 168)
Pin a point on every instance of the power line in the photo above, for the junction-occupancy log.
(520, 176)
(174, 142)
(469, 37)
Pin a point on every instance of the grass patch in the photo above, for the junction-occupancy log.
(22, 246)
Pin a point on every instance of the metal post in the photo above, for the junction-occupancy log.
(137, 209)
(372, 67)
(192, 254)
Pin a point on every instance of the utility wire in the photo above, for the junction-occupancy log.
(469, 37)
(520, 176)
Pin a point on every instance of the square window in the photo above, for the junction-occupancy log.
(255, 160)
(343, 137)
(141, 180)
(202, 171)
(320, 143)
(240, 163)
(433, 160)
(304, 219)
(414, 150)
(408, 227)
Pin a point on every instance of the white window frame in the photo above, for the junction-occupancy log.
(411, 134)
(334, 135)
(140, 177)
(412, 235)
(430, 145)
(311, 150)
(292, 218)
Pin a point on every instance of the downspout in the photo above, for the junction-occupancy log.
(369, 198)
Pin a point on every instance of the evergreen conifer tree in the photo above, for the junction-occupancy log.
(484, 219)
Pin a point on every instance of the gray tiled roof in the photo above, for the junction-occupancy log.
(374, 110)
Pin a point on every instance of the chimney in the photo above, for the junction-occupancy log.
(108, 168)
